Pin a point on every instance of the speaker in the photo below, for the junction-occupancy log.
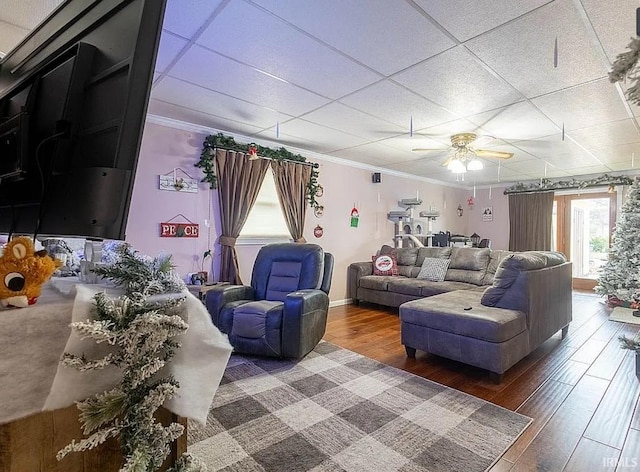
(375, 178)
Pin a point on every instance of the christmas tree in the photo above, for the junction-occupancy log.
(620, 276)
(141, 330)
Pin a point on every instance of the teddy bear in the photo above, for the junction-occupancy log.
(23, 271)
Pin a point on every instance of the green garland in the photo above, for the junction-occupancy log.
(545, 185)
(207, 163)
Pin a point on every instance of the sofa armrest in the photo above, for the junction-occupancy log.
(304, 321)
(219, 296)
(354, 272)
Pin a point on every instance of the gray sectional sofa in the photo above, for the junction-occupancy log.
(492, 309)
(469, 269)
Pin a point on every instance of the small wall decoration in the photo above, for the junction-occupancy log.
(487, 214)
(319, 211)
(459, 210)
(355, 217)
(174, 183)
(319, 191)
(470, 202)
(179, 230)
(318, 231)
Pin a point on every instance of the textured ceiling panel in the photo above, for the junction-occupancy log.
(583, 106)
(614, 23)
(283, 51)
(330, 138)
(338, 116)
(26, 14)
(457, 82)
(515, 122)
(223, 75)
(627, 154)
(197, 98)
(186, 18)
(170, 46)
(465, 19)
(394, 103)
(607, 134)
(523, 51)
(385, 35)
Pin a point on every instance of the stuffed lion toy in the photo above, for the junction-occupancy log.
(23, 271)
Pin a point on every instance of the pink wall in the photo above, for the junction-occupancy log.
(498, 229)
(164, 148)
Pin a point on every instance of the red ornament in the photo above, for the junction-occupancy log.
(318, 231)
(470, 201)
(253, 152)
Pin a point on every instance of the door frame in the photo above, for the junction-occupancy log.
(563, 227)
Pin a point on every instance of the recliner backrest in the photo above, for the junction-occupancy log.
(328, 273)
(283, 268)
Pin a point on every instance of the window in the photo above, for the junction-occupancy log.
(266, 220)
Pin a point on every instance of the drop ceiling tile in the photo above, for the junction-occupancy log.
(607, 134)
(583, 106)
(386, 36)
(210, 70)
(522, 51)
(285, 51)
(457, 82)
(374, 154)
(549, 146)
(515, 122)
(392, 102)
(27, 14)
(423, 167)
(531, 166)
(586, 170)
(338, 116)
(11, 35)
(613, 22)
(326, 139)
(187, 95)
(627, 154)
(465, 19)
(572, 161)
(170, 110)
(407, 143)
(442, 133)
(170, 46)
(622, 167)
(186, 18)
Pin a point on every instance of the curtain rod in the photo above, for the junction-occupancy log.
(315, 165)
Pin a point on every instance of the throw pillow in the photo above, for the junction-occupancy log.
(385, 264)
(434, 269)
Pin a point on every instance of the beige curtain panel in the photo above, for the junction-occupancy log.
(291, 184)
(239, 181)
(530, 217)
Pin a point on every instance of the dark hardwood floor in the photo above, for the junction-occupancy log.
(582, 392)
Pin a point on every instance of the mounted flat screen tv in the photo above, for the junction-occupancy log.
(73, 100)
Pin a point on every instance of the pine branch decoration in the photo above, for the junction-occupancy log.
(141, 331)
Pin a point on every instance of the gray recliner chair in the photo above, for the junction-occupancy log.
(283, 313)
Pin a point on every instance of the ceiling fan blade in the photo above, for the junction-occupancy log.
(427, 149)
(495, 154)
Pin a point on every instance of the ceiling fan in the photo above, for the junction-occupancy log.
(465, 156)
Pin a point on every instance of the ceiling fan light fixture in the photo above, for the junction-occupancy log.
(475, 164)
(457, 167)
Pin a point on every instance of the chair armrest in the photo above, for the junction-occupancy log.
(355, 271)
(218, 297)
(304, 321)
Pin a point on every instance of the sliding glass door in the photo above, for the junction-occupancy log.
(582, 228)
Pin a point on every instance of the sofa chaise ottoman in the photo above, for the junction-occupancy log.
(529, 301)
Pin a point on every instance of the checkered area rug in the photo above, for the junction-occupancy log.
(336, 410)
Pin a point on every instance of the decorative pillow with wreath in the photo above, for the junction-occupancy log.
(385, 264)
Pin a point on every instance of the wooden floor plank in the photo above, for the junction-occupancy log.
(612, 419)
(630, 457)
(592, 456)
(607, 363)
(570, 372)
(540, 406)
(553, 446)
